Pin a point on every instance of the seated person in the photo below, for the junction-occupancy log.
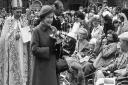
(121, 62)
(82, 44)
(123, 76)
(106, 56)
(74, 60)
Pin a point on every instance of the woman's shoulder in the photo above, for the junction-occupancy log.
(100, 27)
(36, 29)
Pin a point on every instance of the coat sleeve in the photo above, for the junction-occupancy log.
(42, 52)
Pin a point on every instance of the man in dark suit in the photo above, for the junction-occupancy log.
(58, 11)
(61, 63)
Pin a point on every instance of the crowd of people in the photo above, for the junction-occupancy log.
(54, 46)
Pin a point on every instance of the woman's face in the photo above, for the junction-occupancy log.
(92, 46)
(109, 37)
(116, 25)
(104, 42)
(49, 19)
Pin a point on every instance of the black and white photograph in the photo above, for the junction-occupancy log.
(63, 42)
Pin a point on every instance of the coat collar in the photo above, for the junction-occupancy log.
(44, 27)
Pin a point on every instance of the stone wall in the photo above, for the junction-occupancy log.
(5, 4)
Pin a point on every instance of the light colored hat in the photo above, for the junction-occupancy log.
(96, 18)
(82, 31)
(17, 4)
(123, 36)
(72, 35)
(107, 13)
(45, 10)
(93, 41)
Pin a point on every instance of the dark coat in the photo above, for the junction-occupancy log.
(57, 23)
(42, 46)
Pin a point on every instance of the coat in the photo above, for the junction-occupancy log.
(42, 46)
(57, 23)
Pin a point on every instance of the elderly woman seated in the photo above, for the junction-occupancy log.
(74, 61)
(107, 54)
(120, 64)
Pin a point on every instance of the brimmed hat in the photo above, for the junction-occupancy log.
(83, 31)
(123, 36)
(93, 41)
(17, 4)
(72, 35)
(116, 21)
(105, 13)
(45, 10)
(96, 18)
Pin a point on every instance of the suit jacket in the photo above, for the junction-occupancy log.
(42, 46)
(57, 23)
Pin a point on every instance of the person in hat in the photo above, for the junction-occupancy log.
(106, 54)
(43, 48)
(13, 49)
(124, 24)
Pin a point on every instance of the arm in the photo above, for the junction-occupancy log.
(42, 52)
(112, 67)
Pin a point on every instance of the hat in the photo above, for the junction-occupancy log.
(123, 36)
(72, 35)
(116, 20)
(17, 4)
(82, 31)
(45, 10)
(96, 18)
(107, 13)
(93, 41)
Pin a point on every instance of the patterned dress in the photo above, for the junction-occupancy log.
(13, 64)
